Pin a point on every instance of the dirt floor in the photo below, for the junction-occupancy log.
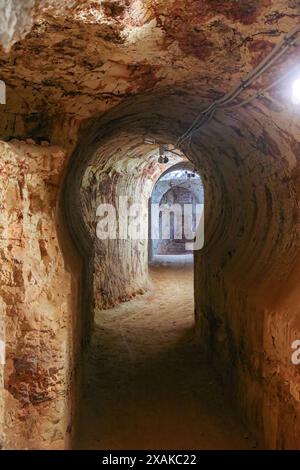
(146, 384)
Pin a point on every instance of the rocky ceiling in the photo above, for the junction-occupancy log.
(76, 59)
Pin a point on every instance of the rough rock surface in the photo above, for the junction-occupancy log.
(83, 57)
(119, 71)
(35, 296)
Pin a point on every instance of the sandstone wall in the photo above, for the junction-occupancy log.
(120, 265)
(37, 292)
(247, 295)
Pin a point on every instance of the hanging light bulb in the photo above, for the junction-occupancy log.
(161, 154)
(162, 157)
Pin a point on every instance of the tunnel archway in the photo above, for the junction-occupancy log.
(179, 186)
(245, 177)
(176, 243)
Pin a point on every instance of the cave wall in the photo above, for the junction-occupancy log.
(16, 19)
(38, 296)
(246, 293)
(120, 265)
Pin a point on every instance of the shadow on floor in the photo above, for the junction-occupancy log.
(146, 383)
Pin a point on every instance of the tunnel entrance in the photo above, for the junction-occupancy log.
(146, 384)
(238, 264)
(119, 161)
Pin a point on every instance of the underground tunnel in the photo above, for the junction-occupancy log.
(113, 341)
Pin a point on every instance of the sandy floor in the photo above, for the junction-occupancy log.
(147, 386)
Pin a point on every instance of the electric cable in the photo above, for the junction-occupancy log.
(205, 116)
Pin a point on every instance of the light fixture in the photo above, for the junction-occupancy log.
(161, 154)
(152, 141)
(162, 157)
(296, 91)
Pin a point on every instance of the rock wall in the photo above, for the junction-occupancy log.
(120, 265)
(37, 296)
(247, 306)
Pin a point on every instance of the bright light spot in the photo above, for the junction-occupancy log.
(296, 92)
(180, 175)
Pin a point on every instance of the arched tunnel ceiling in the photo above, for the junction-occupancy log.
(248, 164)
(81, 58)
(146, 69)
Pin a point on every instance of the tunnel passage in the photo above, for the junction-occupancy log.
(148, 69)
(146, 384)
(246, 276)
(245, 272)
(176, 243)
(125, 180)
